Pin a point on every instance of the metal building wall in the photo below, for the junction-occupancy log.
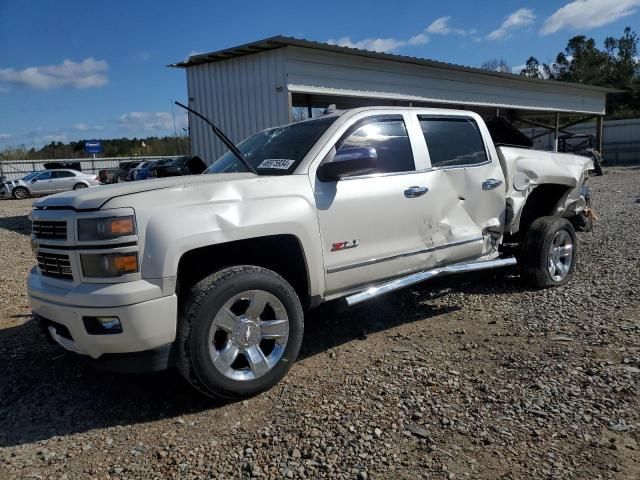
(318, 72)
(241, 95)
(621, 145)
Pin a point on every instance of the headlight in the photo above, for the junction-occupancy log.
(106, 228)
(109, 264)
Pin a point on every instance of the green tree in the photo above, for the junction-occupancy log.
(615, 66)
(532, 69)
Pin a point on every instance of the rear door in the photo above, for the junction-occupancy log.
(464, 161)
(63, 180)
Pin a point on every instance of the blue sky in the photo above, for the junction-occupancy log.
(80, 69)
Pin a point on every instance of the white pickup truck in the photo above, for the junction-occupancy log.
(212, 273)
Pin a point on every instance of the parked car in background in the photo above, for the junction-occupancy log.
(133, 174)
(47, 182)
(63, 165)
(150, 169)
(187, 165)
(108, 175)
(124, 171)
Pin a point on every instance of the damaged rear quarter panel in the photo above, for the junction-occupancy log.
(525, 169)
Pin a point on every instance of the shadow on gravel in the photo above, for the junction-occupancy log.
(46, 392)
(20, 224)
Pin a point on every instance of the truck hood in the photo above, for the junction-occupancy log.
(93, 198)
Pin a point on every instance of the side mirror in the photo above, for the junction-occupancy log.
(34, 180)
(347, 162)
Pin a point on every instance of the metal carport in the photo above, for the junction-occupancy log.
(255, 86)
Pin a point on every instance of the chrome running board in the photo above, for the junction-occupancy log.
(398, 283)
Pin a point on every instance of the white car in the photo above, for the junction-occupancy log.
(47, 182)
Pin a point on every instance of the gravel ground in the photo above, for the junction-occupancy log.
(476, 376)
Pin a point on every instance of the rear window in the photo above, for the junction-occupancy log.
(453, 142)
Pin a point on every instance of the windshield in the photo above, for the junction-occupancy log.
(274, 151)
(31, 175)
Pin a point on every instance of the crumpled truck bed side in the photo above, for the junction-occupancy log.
(526, 169)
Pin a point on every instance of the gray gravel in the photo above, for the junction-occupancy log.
(473, 376)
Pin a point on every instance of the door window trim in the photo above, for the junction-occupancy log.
(385, 117)
(426, 116)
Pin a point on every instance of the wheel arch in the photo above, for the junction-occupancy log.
(542, 201)
(281, 253)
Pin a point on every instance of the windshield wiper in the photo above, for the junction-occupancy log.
(228, 143)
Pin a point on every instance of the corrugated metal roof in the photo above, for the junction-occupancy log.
(282, 41)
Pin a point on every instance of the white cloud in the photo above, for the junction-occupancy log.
(86, 74)
(441, 26)
(380, 44)
(152, 121)
(584, 14)
(518, 19)
(5, 136)
(55, 137)
(83, 127)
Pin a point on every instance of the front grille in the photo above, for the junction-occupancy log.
(54, 265)
(49, 230)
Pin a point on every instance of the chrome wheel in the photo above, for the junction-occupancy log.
(560, 256)
(248, 335)
(20, 193)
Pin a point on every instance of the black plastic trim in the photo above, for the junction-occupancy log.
(88, 247)
(154, 360)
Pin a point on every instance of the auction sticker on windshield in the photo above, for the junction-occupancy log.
(276, 163)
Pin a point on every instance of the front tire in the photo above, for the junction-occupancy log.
(548, 255)
(240, 332)
(20, 193)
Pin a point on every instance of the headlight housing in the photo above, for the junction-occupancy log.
(107, 265)
(105, 228)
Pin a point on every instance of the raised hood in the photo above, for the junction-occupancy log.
(94, 197)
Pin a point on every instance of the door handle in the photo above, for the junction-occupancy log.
(491, 183)
(413, 192)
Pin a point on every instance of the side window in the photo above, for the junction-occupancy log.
(390, 139)
(44, 176)
(453, 142)
(62, 174)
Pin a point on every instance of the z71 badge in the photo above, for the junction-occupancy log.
(336, 247)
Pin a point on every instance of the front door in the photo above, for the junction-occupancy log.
(42, 184)
(381, 225)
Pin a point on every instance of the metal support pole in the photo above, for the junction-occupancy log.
(556, 133)
(309, 107)
(599, 133)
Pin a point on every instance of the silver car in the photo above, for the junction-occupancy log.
(47, 182)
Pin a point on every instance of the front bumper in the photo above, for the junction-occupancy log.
(147, 323)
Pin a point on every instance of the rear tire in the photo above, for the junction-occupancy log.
(240, 332)
(548, 254)
(20, 193)
(79, 186)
